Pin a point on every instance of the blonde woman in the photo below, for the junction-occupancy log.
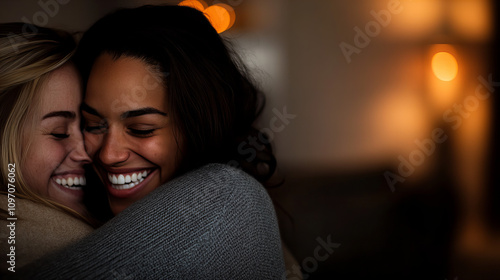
(42, 151)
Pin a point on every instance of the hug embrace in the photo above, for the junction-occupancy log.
(120, 148)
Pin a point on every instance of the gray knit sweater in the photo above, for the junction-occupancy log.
(216, 222)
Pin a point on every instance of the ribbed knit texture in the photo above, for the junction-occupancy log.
(216, 222)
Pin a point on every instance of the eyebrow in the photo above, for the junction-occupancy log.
(63, 114)
(140, 112)
(129, 114)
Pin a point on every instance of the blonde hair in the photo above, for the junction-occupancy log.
(26, 61)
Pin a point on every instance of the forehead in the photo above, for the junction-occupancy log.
(62, 90)
(124, 83)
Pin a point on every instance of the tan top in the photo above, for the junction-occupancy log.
(38, 231)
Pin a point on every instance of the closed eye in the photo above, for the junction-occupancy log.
(141, 133)
(60, 136)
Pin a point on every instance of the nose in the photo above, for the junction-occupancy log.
(113, 150)
(78, 152)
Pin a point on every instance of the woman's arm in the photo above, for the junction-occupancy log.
(214, 222)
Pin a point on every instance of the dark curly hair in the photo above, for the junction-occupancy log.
(211, 97)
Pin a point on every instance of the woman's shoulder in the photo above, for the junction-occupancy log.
(217, 182)
(218, 190)
(215, 195)
(220, 213)
(224, 176)
(36, 229)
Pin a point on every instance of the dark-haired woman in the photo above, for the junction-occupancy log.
(166, 106)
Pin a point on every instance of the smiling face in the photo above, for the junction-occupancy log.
(128, 132)
(53, 165)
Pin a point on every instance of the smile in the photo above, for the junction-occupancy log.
(71, 182)
(127, 181)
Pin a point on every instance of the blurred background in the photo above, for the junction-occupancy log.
(383, 117)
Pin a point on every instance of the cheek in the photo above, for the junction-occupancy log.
(51, 155)
(164, 153)
(154, 150)
(161, 151)
(40, 163)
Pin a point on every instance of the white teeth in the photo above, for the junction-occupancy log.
(124, 182)
(72, 183)
(121, 179)
(124, 187)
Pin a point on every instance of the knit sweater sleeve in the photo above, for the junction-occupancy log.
(216, 222)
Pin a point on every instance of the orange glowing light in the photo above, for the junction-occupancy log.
(197, 4)
(219, 17)
(418, 20)
(471, 19)
(230, 10)
(444, 66)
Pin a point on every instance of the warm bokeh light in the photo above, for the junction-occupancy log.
(197, 4)
(444, 66)
(230, 10)
(471, 19)
(419, 19)
(220, 15)
(444, 82)
(399, 117)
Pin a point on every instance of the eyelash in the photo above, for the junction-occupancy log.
(142, 133)
(135, 132)
(60, 136)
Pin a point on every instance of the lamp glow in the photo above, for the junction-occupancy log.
(221, 16)
(444, 66)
